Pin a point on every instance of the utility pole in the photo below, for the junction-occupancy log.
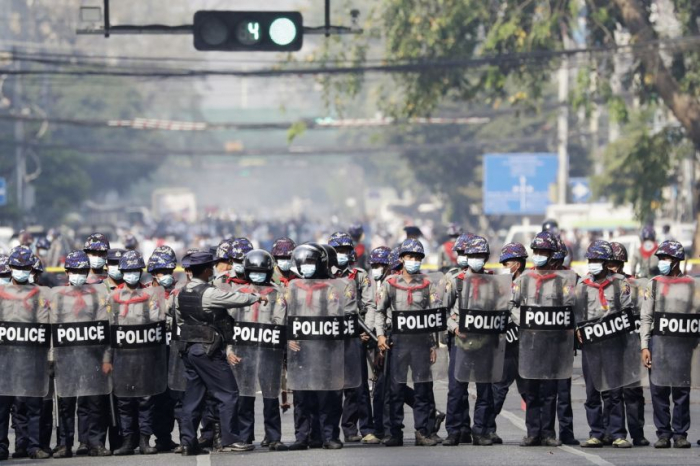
(19, 137)
(563, 128)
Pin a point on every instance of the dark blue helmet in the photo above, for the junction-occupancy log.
(283, 247)
(379, 255)
(239, 248)
(223, 251)
(411, 246)
(454, 230)
(77, 260)
(131, 242)
(394, 262)
(477, 245)
(512, 251)
(619, 251)
(115, 255)
(131, 260)
(544, 240)
(96, 242)
(43, 243)
(4, 266)
(648, 233)
(562, 251)
(21, 256)
(461, 242)
(356, 231)
(37, 266)
(671, 248)
(599, 249)
(160, 260)
(339, 239)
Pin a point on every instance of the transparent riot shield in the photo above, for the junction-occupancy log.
(315, 335)
(417, 319)
(483, 322)
(25, 337)
(259, 339)
(138, 337)
(676, 335)
(638, 285)
(353, 344)
(80, 335)
(546, 300)
(177, 380)
(610, 349)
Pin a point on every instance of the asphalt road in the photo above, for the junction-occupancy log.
(511, 427)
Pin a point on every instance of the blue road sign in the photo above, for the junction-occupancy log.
(3, 192)
(580, 188)
(518, 183)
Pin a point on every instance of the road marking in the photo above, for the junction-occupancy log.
(519, 422)
(204, 460)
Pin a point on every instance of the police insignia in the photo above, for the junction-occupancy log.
(626, 289)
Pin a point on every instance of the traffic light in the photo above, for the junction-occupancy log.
(262, 31)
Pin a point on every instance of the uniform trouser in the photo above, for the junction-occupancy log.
(594, 406)
(209, 417)
(382, 405)
(166, 411)
(357, 406)
(325, 406)
(46, 427)
(136, 415)
(83, 419)
(423, 407)
(565, 413)
(500, 389)
(271, 418)
(457, 421)
(99, 406)
(209, 374)
(94, 421)
(541, 407)
(634, 408)
(6, 403)
(28, 423)
(665, 426)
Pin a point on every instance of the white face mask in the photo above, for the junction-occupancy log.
(377, 274)
(476, 264)
(31, 278)
(257, 277)
(5, 280)
(97, 262)
(77, 279)
(648, 245)
(114, 272)
(595, 268)
(20, 276)
(284, 264)
(238, 268)
(665, 267)
(132, 278)
(343, 260)
(412, 266)
(462, 261)
(166, 281)
(308, 270)
(539, 261)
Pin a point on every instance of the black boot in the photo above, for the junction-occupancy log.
(127, 448)
(216, 441)
(144, 446)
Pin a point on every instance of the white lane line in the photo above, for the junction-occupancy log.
(204, 460)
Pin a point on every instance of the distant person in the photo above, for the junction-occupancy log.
(447, 257)
(644, 263)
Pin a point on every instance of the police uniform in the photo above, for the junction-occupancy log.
(198, 308)
(644, 263)
(599, 299)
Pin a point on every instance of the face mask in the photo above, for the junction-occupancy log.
(377, 274)
(664, 267)
(20, 276)
(539, 261)
(257, 277)
(5, 280)
(514, 268)
(343, 259)
(31, 279)
(412, 266)
(238, 268)
(595, 268)
(42, 252)
(77, 279)
(462, 261)
(97, 262)
(114, 272)
(308, 270)
(132, 278)
(648, 245)
(476, 264)
(166, 281)
(284, 264)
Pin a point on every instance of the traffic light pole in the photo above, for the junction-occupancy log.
(108, 29)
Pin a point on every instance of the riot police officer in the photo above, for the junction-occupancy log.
(205, 326)
(115, 277)
(645, 262)
(282, 253)
(96, 247)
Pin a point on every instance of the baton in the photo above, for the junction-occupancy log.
(113, 414)
(55, 405)
(366, 329)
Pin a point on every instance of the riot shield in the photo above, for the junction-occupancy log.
(80, 335)
(483, 320)
(638, 285)
(352, 343)
(547, 301)
(260, 343)
(315, 335)
(25, 337)
(137, 337)
(611, 350)
(177, 380)
(675, 338)
(417, 319)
